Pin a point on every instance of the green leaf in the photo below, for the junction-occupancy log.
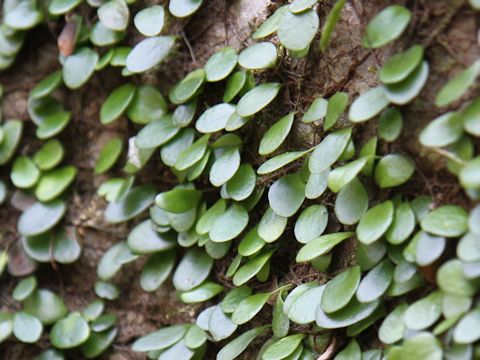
(251, 268)
(393, 170)
(302, 309)
(24, 288)
(215, 118)
(442, 131)
(220, 64)
(53, 124)
(235, 84)
(234, 297)
(297, 6)
(6, 325)
(116, 103)
(184, 8)
(402, 225)
(100, 35)
(316, 111)
(401, 65)
(22, 15)
(47, 85)
(106, 290)
(220, 326)
(316, 184)
(156, 270)
(351, 352)
(132, 204)
(467, 249)
(58, 7)
(109, 154)
(230, 224)
(26, 328)
(405, 91)
(249, 307)
(242, 184)
(424, 312)
(456, 87)
(271, 226)
(280, 161)
(193, 154)
(447, 221)
(192, 270)
(467, 330)
(41, 217)
(160, 339)
(195, 337)
(114, 14)
(79, 67)
(376, 282)
(276, 135)
(286, 195)
(251, 243)
(178, 200)
(423, 346)
(351, 203)
(330, 23)
(24, 173)
(237, 346)
(321, 245)
(368, 105)
(225, 166)
(12, 134)
(149, 21)
(257, 98)
(375, 222)
(113, 259)
(54, 183)
(170, 152)
(470, 174)
(336, 106)
(340, 290)
(282, 348)
(188, 87)
(97, 343)
(451, 279)
(390, 124)
(103, 322)
(280, 321)
(393, 326)
(143, 239)
(156, 133)
(147, 105)
(93, 310)
(149, 53)
(386, 26)
(46, 306)
(258, 56)
(343, 175)
(270, 25)
(428, 249)
(350, 314)
(471, 118)
(49, 155)
(329, 150)
(311, 223)
(296, 31)
(202, 293)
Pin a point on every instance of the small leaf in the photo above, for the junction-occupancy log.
(258, 56)
(116, 103)
(368, 105)
(321, 245)
(193, 154)
(296, 31)
(46, 306)
(230, 224)
(351, 203)
(184, 8)
(280, 161)
(188, 87)
(405, 91)
(336, 106)
(442, 131)
(149, 21)
(251, 268)
(49, 155)
(79, 67)
(458, 85)
(133, 203)
(390, 124)
(114, 14)
(447, 221)
(302, 310)
(257, 98)
(97, 343)
(220, 326)
(53, 125)
(343, 175)
(53, 183)
(316, 111)
(149, 53)
(402, 225)
(330, 23)
(428, 249)
(237, 346)
(286, 195)
(24, 288)
(12, 134)
(242, 184)
(272, 23)
(375, 222)
(220, 64)
(424, 312)
(451, 280)
(26, 328)
(282, 348)
(401, 65)
(340, 290)
(376, 282)
(147, 105)
(225, 166)
(192, 270)
(160, 339)
(467, 330)
(350, 314)
(143, 239)
(24, 173)
(386, 26)
(311, 223)
(178, 200)
(393, 326)
(249, 307)
(393, 170)
(202, 293)
(41, 217)
(329, 150)
(470, 174)
(276, 135)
